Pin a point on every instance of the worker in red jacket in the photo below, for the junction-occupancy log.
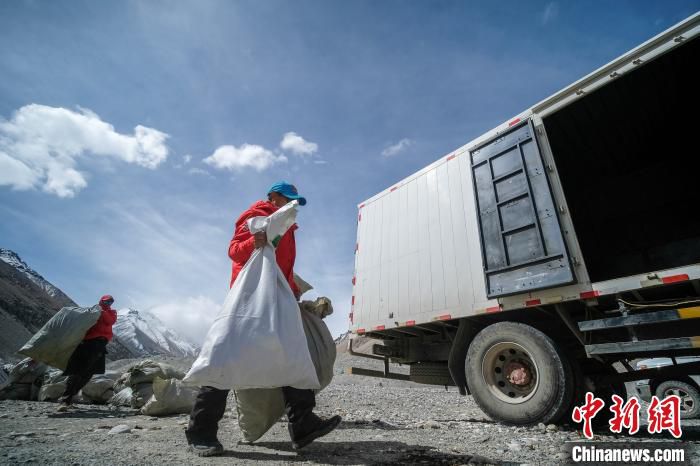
(304, 426)
(89, 357)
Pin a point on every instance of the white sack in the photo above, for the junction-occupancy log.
(122, 397)
(53, 386)
(55, 342)
(257, 340)
(170, 397)
(140, 394)
(100, 388)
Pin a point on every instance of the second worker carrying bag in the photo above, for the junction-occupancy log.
(59, 337)
(257, 340)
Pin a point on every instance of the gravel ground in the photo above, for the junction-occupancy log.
(384, 422)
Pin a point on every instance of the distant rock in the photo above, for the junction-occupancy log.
(120, 429)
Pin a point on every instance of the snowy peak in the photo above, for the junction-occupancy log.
(145, 335)
(11, 258)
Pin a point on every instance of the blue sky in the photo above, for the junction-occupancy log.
(133, 133)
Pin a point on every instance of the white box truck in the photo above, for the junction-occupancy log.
(525, 266)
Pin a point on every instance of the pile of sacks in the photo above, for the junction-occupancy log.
(155, 388)
(22, 381)
(97, 391)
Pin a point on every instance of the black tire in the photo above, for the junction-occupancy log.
(690, 397)
(432, 373)
(550, 393)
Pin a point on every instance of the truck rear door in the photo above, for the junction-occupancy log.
(521, 238)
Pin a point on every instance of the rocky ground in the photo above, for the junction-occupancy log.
(383, 422)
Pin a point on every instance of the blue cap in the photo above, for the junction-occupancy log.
(288, 190)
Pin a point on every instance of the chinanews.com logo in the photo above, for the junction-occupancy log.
(662, 415)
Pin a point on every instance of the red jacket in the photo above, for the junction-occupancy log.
(103, 327)
(243, 244)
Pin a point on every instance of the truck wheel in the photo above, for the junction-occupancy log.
(518, 375)
(690, 398)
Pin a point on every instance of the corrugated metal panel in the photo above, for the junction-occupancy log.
(462, 256)
(435, 243)
(419, 250)
(413, 286)
(424, 270)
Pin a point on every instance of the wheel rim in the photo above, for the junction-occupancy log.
(687, 401)
(510, 373)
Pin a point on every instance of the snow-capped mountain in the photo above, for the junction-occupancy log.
(14, 260)
(144, 334)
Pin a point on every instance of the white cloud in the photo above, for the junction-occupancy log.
(190, 317)
(551, 11)
(397, 148)
(247, 156)
(291, 141)
(198, 171)
(186, 158)
(41, 146)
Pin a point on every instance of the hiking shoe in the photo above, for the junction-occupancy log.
(63, 407)
(206, 448)
(309, 428)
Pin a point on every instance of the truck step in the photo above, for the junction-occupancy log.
(371, 373)
(668, 315)
(644, 345)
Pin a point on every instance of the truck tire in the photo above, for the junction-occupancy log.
(432, 373)
(689, 395)
(517, 375)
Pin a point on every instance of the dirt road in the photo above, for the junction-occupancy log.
(384, 422)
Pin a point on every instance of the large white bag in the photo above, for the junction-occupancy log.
(257, 340)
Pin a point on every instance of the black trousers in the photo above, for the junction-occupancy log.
(87, 360)
(210, 405)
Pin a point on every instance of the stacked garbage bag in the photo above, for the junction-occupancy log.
(155, 388)
(22, 380)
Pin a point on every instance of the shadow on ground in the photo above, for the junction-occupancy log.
(365, 452)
